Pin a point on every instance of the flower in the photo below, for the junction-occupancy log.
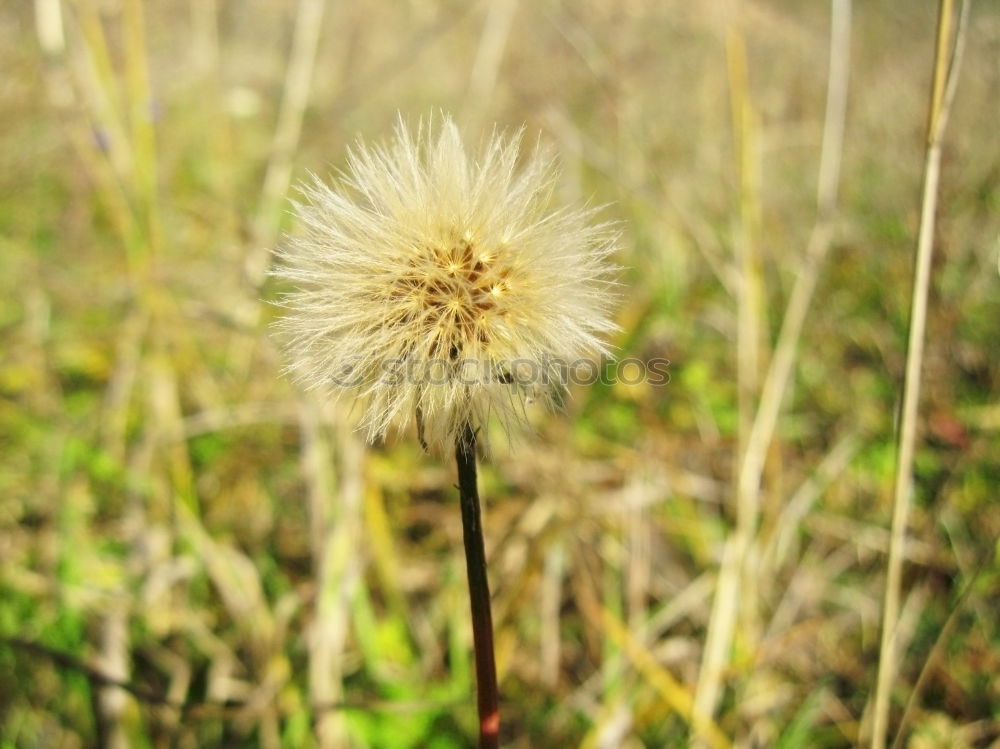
(443, 287)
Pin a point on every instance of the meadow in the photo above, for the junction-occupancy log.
(194, 552)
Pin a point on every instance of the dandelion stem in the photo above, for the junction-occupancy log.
(479, 590)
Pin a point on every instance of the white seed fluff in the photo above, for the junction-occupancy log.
(441, 286)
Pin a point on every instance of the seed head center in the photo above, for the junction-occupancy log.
(463, 278)
(455, 288)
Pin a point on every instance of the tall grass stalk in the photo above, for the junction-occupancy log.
(730, 594)
(725, 608)
(295, 97)
(334, 525)
(947, 63)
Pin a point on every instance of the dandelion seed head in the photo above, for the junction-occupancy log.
(425, 274)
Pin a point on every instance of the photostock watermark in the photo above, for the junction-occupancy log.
(547, 372)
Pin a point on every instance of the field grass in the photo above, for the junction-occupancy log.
(194, 553)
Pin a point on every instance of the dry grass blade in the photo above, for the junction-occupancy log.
(298, 79)
(673, 693)
(733, 582)
(335, 522)
(725, 607)
(946, 67)
(489, 55)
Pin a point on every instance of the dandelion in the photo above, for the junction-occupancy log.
(443, 288)
(446, 289)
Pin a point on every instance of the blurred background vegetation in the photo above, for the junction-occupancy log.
(194, 554)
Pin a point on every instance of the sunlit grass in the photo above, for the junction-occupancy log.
(177, 518)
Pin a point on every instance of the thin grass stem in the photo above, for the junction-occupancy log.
(736, 589)
(946, 65)
(295, 98)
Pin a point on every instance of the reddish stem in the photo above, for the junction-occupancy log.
(479, 591)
